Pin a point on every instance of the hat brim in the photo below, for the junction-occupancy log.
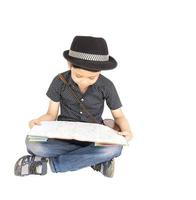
(91, 65)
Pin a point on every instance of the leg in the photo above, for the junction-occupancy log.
(70, 156)
(53, 148)
(84, 157)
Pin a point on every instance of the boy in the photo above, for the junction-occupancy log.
(87, 57)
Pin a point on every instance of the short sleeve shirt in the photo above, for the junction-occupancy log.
(93, 99)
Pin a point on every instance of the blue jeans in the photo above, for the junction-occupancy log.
(71, 155)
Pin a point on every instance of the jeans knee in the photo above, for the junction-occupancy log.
(35, 148)
(113, 151)
(118, 150)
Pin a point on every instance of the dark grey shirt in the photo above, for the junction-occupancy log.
(93, 99)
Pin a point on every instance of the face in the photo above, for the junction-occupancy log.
(83, 78)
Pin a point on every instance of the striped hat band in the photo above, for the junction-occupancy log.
(88, 56)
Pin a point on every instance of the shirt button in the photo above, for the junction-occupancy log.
(80, 112)
(82, 99)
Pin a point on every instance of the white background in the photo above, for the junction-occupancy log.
(155, 45)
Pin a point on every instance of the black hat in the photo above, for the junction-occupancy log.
(90, 53)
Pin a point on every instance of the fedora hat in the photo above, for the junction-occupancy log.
(90, 53)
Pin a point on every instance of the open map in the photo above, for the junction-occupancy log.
(81, 131)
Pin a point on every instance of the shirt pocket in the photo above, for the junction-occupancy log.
(94, 101)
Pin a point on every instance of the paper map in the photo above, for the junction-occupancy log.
(81, 131)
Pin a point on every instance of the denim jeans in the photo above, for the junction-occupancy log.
(71, 155)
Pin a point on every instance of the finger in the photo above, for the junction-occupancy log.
(123, 133)
(38, 121)
(35, 123)
(31, 126)
(128, 138)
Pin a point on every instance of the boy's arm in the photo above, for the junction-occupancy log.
(51, 114)
(122, 122)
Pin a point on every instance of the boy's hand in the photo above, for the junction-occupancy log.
(34, 122)
(126, 134)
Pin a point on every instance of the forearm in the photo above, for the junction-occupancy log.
(47, 117)
(123, 124)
